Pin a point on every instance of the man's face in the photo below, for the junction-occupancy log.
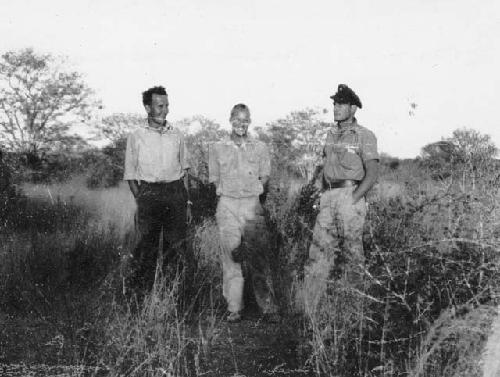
(158, 109)
(240, 122)
(342, 111)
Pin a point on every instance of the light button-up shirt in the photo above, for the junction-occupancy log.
(155, 155)
(346, 150)
(238, 169)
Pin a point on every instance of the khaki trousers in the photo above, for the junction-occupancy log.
(338, 232)
(241, 224)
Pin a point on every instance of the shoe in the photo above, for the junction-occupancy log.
(234, 317)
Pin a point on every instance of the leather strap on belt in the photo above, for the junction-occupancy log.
(329, 185)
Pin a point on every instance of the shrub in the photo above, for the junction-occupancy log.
(105, 168)
(52, 255)
(430, 249)
(151, 341)
(454, 343)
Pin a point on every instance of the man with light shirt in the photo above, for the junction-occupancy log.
(156, 170)
(350, 169)
(239, 167)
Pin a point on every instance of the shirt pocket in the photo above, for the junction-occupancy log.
(350, 159)
(252, 165)
(225, 167)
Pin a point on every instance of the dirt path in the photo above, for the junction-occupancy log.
(253, 347)
(248, 348)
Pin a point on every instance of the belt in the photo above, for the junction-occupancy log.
(329, 185)
(176, 182)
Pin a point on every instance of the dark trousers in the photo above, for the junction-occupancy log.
(159, 205)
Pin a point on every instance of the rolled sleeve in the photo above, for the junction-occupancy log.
(213, 164)
(265, 162)
(130, 171)
(369, 147)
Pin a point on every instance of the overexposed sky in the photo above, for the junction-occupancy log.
(280, 56)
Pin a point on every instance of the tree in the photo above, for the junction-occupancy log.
(472, 146)
(106, 164)
(298, 141)
(467, 155)
(198, 143)
(473, 155)
(386, 160)
(38, 99)
(117, 126)
(436, 158)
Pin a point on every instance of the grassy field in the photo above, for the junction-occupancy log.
(112, 207)
(430, 289)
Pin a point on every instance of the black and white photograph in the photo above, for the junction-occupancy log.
(249, 188)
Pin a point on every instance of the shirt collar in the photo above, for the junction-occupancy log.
(161, 130)
(243, 145)
(346, 127)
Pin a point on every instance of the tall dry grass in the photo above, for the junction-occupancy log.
(111, 207)
(148, 341)
(431, 247)
(64, 255)
(169, 332)
(431, 277)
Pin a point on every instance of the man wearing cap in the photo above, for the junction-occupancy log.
(350, 169)
(239, 167)
(156, 170)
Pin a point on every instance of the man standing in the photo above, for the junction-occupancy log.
(156, 170)
(240, 167)
(350, 169)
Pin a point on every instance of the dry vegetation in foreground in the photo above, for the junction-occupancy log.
(430, 288)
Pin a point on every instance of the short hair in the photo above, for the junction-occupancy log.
(147, 96)
(237, 108)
